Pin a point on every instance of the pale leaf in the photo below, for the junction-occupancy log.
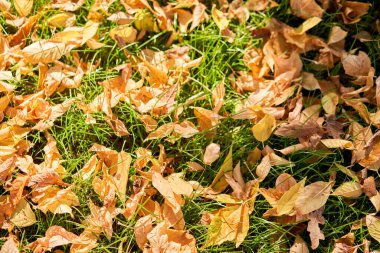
(337, 143)
(211, 154)
(44, 51)
(23, 215)
(23, 7)
(313, 197)
(349, 190)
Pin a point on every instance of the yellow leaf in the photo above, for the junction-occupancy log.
(219, 18)
(144, 20)
(121, 177)
(349, 190)
(329, 102)
(229, 224)
(286, 203)
(308, 24)
(64, 19)
(219, 183)
(348, 172)
(23, 215)
(23, 7)
(373, 227)
(264, 128)
(337, 143)
(127, 33)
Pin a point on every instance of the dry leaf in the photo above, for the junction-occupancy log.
(10, 245)
(286, 203)
(23, 215)
(55, 236)
(337, 143)
(219, 183)
(63, 19)
(211, 154)
(306, 8)
(23, 7)
(348, 190)
(44, 51)
(264, 128)
(373, 224)
(263, 168)
(228, 224)
(313, 197)
(299, 246)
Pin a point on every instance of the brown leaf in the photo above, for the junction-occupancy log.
(163, 186)
(306, 8)
(55, 200)
(357, 65)
(121, 177)
(206, 118)
(352, 11)
(218, 97)
(211, 154)
(194, 166)
(299, 246)
(313, 197)
(161, 239)
(55, 236)
(337, 34)
(263, 168)
(284, 182)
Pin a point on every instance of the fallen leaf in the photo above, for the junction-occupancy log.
(286, 203)
(211, 154)
(264, 128)
(63, 19)
(348, 190)
(306, 8)
(313, 197)
(44, 51)
(299, 246)
(219, 183)
(23, 215)
(55, 236)
(337, 143)
(23, 7)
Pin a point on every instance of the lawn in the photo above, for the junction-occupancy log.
(189, 126)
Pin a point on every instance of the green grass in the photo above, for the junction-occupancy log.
(220, 59)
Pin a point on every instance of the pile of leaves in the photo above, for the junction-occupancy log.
(298, 93)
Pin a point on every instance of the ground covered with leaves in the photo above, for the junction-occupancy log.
(189, 126)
